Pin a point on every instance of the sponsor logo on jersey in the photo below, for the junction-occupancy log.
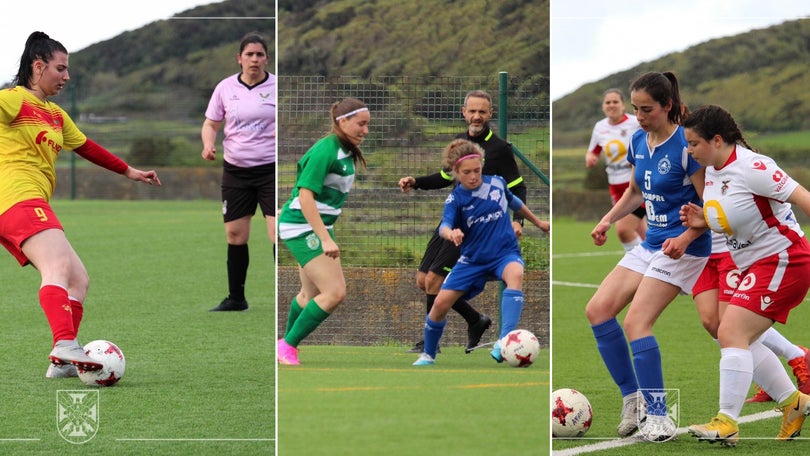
(765, 302)
(759, 165)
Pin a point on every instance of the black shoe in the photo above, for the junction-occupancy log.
(229, 304)
(474, 332)
(419, 347)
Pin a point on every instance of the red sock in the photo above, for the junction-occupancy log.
(56, 304)
(78, 310)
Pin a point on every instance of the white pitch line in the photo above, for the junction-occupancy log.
(574, 284)
(586, 254)
(618, 443)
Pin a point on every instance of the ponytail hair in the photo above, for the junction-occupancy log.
(663, 88)
(346, 109)
(38, 46)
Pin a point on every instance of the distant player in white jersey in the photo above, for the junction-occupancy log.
(611, 139)
(749, 199)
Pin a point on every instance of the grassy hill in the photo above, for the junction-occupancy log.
(760, 76)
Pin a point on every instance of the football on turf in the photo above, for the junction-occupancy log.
(108, 354)
(571, 413)
(520, 348)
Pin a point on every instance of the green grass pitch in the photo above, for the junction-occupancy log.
(690, 358)
(196, 382)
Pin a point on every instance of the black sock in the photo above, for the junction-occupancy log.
(470, 315)
(238, 259)
(429, 299)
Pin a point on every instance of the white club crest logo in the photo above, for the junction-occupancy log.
(495, 195)
(664, 166)
(748, 282)
(77, 414)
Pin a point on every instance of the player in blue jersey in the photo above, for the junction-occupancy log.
(476, 218)
(666, 264)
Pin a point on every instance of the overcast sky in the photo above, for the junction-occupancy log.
(591, 39)
(79, 24)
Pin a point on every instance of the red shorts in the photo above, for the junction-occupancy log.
(616, 192)
(719, 274)
(24, 220)
(776, 284)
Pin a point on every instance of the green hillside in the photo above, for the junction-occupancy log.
(760, 76)
(417, 38)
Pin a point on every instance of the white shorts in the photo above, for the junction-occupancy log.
(683, 272)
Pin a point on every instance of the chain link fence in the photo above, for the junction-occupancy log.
(383, 232)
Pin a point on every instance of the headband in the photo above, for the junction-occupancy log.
(466, 157)
(349, 114)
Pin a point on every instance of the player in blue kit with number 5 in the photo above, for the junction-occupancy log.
(476, 218)
(654, 272)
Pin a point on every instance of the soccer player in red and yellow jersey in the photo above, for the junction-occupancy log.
(33, 132)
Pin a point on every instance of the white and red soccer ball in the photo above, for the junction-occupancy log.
(519, 348)
(111, 357)
(571, 413)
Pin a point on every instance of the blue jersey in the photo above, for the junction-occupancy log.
(663, 177)
(483, 216)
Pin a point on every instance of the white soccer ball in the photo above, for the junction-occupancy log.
(571, 413)
(108, 354)
(519, 348)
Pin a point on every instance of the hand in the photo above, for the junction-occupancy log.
(209, 153)
(590, 160)
(406, 183)
(330, 249)
(518, 229)
(149, 177)
(599, 233)
(674, 247)
(456, 236)
(545, 226)
(692, 216)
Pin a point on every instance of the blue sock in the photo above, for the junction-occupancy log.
(511, 307)
(647, 360)
(612, 346)
(433, 332)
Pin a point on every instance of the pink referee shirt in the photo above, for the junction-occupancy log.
(249, 116)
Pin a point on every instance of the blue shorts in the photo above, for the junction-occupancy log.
(473, 277)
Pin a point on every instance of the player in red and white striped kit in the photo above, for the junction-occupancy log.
(610, 139)
(749, 199)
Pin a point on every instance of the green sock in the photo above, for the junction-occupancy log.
(310, 318)
(295, 311)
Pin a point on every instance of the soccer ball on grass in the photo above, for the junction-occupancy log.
(111, 357)
(571, 413)
(520, 348)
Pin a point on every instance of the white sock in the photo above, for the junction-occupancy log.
(769, 373)
(778, 344)
(736, 373)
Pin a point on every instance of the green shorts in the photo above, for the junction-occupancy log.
(306, 247)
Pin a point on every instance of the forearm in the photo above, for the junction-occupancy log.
(432, 181)
(310, 211)
(100, 156)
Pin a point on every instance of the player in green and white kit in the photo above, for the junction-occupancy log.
(323, 179)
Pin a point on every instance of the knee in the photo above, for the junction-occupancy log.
(433, 283)
(596, 312)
